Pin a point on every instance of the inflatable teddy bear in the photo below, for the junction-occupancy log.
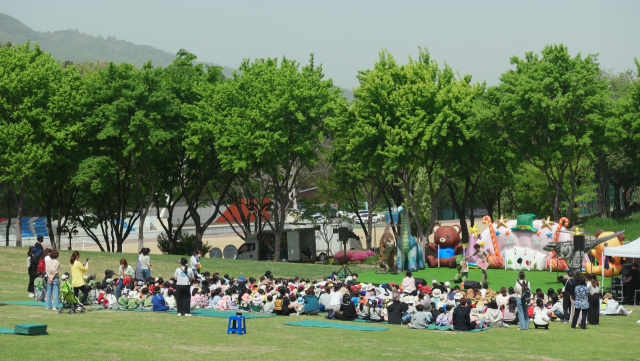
(448, 238)
(612, 265)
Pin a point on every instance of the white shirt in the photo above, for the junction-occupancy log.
(193, 262)
(46, 260)
(336, 298)
(183, 279)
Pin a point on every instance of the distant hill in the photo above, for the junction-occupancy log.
(78, 47)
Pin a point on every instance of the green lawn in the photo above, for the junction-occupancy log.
(630, 224)
(120, 335)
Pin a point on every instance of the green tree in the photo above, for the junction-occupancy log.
(412, 117)
(548, 108)
(270, 120)
(39, 109)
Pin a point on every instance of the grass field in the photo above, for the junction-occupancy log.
(630, 224)
(120, 335)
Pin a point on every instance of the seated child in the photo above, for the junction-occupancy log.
(158, 301)
(223, 304)
(257, 298)
(299, 305)
(170, 299)
(540, 317)
(375, 311)
(39, 288)
(110, 300)
(146, 300)
(269, 306)
(420, 319)
(101, 296)
(363, 310)
(123, 301)
(95, 293)
(195, 298)
(442, 319)
(134, 301)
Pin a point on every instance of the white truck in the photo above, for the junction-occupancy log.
(297, 245)
(334, 244)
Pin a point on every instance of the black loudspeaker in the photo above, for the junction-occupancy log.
(421, 281)
(343, 234)
(471, 284)
(626, 268)
(578, 243)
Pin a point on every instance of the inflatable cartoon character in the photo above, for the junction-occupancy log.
(612, 265)
(448, 238)
(409, 252)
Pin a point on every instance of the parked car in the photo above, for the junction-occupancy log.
(364, 214)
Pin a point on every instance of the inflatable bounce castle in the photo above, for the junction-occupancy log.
(517, 244)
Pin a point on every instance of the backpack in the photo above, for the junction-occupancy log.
(278, 304)
(42, 266)
(526, 293)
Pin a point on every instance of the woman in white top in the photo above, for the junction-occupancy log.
(183, 275)
(194, 262)
(523, 309)
(336, 299)
(540, 317)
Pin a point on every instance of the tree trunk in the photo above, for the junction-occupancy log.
(50, 230)
(19, 200)
(556, 204)
(9, 213)
(460, 211)
(616, 197)
(370, 227)
(414, 209)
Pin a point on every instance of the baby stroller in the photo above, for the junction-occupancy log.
(69, 300)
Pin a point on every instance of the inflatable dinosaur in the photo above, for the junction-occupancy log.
(386, 249)
(409, 252)
(573, 257)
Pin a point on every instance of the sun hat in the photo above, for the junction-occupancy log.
(434, 282)
(447, 284)
(457, 296)
(371, 287)
(241, 279)
(436, 292)
(64, 277)
(607, 295)
(427, 307)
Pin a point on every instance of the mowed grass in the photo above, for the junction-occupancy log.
(121, 335)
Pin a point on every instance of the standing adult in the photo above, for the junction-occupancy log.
(581, 301)
(139, 265)
(522, 290)
(567, 295)
(594, 300)
(145, 264)
(38, 244)
(632, 283)
(77, 270)
(53, 281)
(183, 276)
(33, 258)
(483, 255)
(47, 257)
(194, 262)
(409, 284)
(126, 274)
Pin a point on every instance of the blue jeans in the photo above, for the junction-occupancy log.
(559, 315)
(406, 318)
(321, 308)
(523, 314)
(119, 288)
(53, 289)
(146, 273)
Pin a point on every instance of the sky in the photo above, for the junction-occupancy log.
(473, 37)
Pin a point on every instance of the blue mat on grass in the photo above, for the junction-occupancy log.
(197, 312)
(344, 326)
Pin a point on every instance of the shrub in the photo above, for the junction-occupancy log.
(184, 244)
(353, 256)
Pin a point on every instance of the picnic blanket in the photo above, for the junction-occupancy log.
(344, 326)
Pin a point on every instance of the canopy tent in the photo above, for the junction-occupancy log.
(629, 250)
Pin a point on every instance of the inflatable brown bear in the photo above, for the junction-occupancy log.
(448, 238)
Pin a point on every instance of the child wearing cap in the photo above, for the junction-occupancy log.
(134, 301)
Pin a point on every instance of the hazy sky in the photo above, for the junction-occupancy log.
(474, 37)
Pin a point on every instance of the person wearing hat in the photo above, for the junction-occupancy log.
(613, 307)
(396, 310)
